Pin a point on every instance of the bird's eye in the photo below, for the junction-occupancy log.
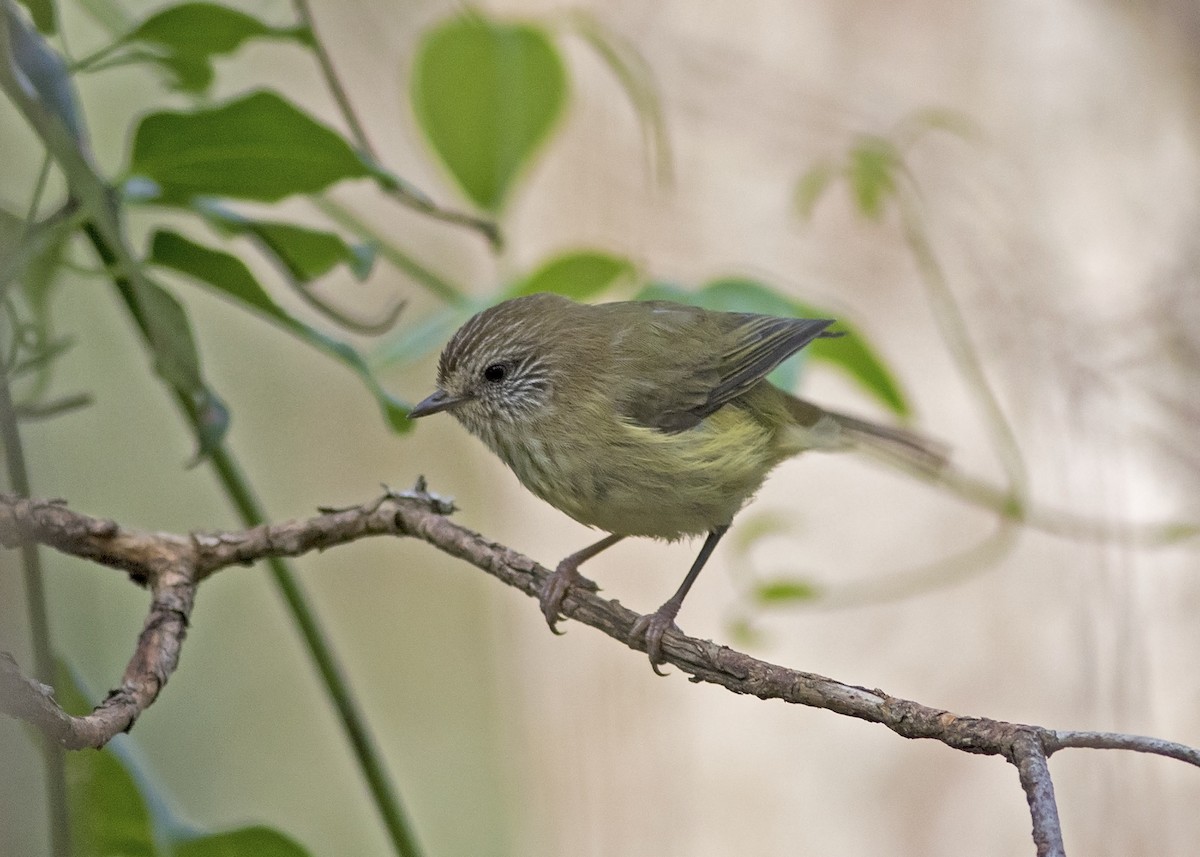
(495, 373)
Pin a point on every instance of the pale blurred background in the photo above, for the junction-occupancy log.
(1068, 227)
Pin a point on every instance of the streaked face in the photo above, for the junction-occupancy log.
(493, 372)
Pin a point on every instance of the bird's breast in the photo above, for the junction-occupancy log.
(631, 480)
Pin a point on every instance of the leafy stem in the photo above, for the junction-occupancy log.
(337, 686)
(39, 619)
(398, 190)
(433, 282)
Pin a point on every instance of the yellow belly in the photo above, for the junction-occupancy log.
(638, 481)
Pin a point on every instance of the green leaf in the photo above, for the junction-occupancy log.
(111, 815)
(851, 353)
(190, 35)
(486, 95)
(175, 354)
(177, 360)
(578, 275)
(41, 275)
(229, 275)
(42, 12)
(311, 253)
(31, 77)
(259, 147)
(306, 254)
(31, 254)
(785, 590)
(245, 842)
(871, 171)
(854, 355)
(108, 814)
(744, 632)
(68, 693)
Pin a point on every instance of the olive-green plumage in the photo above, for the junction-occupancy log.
(641, 418)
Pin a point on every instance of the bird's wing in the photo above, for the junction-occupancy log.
(678, 365)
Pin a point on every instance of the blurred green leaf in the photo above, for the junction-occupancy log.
(259, 147)
(785, 590)
(486, 95)
(812, 186)
(306, 254)
(177, 360)
(31, 254)
(311, 253)
(871, 170)
(115, 811)
(851, 353)
(34, 78)
(12, 228)
(42, 12)
(578, 275)
(41, 274)
(246, 842)
(109, 817)
(190, 35)
(744, 632)
(68, 693)
(12, 232)
(230, 276)
(855, 355)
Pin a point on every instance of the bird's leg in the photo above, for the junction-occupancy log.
(652, 626)
(554, 590)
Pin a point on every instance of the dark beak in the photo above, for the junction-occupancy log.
(439, 401)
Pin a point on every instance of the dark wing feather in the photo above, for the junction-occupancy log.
(759, 344)
(666, 386)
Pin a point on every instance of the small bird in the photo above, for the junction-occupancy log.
(642, 418)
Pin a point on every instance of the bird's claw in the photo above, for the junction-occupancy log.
(650, 629)
(554, 591)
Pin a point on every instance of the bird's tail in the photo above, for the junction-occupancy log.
(900, 447)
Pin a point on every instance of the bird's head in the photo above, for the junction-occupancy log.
(499, 370)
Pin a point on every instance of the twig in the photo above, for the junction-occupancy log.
(1030, 758)
(1120, 741)
(401, 191)
(172, 566)
(431, 281)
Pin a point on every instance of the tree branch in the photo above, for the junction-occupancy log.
(172, 566)
(1029, 756)
(1062, 739)
(161, 561)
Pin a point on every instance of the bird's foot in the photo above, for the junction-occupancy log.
(554, 591)
(651, 628)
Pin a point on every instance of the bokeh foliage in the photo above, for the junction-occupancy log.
(488, 96)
